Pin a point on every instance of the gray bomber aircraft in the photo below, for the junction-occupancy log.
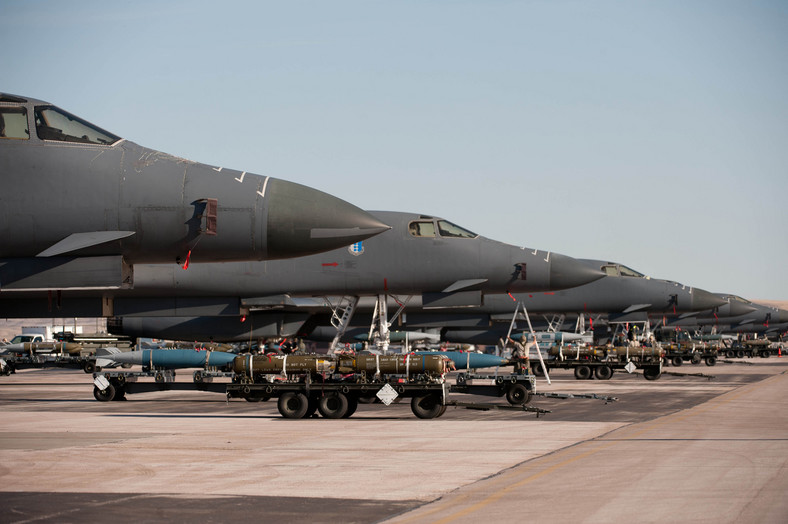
(623, 294)
(422, 258)
(622, 291)
(743, 316)
(79, 205)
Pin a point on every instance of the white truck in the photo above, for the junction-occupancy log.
(34, 334)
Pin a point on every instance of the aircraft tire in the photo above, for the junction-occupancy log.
(603, 372)
(583, 372)
(426, 406)
(518, 395)
(740, 354)
(710, 361)
(651, 373)
(676, 361)
(333, 405)
(696, 358)
(765, 353)
(89, 367)
(293, 404)
(104, 395)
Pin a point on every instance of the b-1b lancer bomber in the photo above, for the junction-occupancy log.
(80, 206)
(432, 261)
(622, 295)
(743, 316)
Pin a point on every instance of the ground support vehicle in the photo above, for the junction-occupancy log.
(114, 385)
(81, 355)
(602, 361)
(677, 354)
(752, 348)
(332, 385)
(518, 389)
(300, 396)
(85, 362)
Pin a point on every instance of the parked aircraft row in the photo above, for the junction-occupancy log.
(170, 248)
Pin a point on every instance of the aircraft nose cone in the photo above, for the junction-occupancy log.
(702, 300)
(738, 308)
(567, 272)
(303, 221)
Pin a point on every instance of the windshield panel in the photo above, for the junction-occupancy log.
(629, 272)
(422, 228)
(447, 229)
(13, 123)
(55, 124)
(611, 271)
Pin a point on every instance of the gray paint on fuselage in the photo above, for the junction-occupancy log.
(63, 185)
(394, 262)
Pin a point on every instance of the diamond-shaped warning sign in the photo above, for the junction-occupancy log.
(101, 382)
(387, 395)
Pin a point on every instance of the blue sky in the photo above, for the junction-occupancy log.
(650, 133)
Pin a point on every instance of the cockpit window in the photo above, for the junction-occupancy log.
(55, 124)
(422, 228)
(739, 299)
(13, 123)
(617, 270)
(628, 272)
(447, 229)
(610, 270)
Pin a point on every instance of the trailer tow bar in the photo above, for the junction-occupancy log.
(737, 362)
(488, 407)
(676, 374)
(577, 395)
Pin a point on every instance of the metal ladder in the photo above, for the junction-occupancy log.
(341, 322)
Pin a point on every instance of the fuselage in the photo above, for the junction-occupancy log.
(72, 189)
(425, 256)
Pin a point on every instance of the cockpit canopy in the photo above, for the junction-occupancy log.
(51, 123)
(618, 270)
(436, 227)
(737, 298)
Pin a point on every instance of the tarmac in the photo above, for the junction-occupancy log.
(682, 448)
